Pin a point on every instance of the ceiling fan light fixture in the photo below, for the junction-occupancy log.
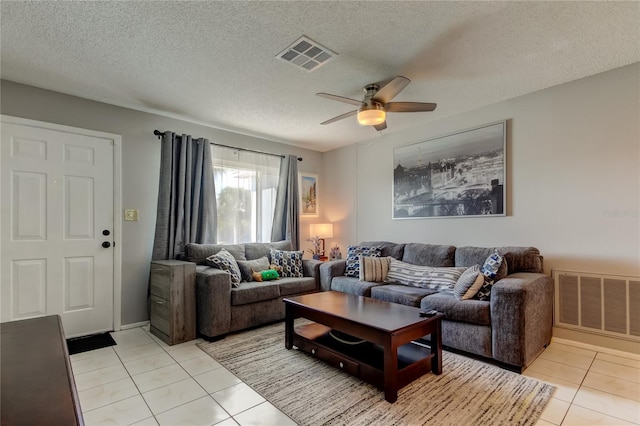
(371, 115)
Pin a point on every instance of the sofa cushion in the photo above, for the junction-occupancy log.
(386, 248)
(374, 269)
(254, 292)
(248, 267)
(520, 259)
(402, 294)
(422, 276)
(224, 261)
(258, 250)
(471, 311)
(353, 258)
(198, 253)
(469, 283)
(290, 261)
(429, 255)
(289, 286)
(352, 286)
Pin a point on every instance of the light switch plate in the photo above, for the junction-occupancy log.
(131, 215)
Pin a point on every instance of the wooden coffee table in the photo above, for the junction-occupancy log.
(387, 359)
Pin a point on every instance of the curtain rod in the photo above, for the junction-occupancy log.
(160, 134)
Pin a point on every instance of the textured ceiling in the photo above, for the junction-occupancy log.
(214, 62)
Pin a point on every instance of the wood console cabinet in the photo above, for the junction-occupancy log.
(37, 381)
(173, 300)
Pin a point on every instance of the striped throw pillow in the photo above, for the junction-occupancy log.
(373, 269)
(434, 278)
(469, 283)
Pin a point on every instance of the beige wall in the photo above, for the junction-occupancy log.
(573, 156)
(140, 167)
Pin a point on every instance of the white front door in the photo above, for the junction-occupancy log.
(57, 227)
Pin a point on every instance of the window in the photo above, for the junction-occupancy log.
(246, 186)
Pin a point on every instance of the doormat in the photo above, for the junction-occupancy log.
(89, 343)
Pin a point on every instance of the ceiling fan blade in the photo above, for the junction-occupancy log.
(391, 89)
(380, 126)
(409, 106)
(340, 117)
(340, 99)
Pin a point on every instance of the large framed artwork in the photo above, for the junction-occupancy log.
(457, 175)
(308, 188)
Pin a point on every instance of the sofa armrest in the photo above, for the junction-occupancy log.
(331, 269)
(521, 317)
(213, 301)
(311, 268)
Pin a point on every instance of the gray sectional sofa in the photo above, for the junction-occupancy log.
(222, 308)
(513, 327)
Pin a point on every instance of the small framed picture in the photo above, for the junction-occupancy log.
(308, 188)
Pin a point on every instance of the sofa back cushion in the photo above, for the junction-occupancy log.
(519, 259)
(198, 253)
(386, 248)
(257, 250)
(430, 255)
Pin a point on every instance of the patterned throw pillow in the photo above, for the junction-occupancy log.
(373, 269)
(353, 258)
(494, 269)
(225, 261)
(430, 277)
(290, 261)
(248, 267)
(469, 283)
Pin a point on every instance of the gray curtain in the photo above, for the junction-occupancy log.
(186, 197)
(285, 217)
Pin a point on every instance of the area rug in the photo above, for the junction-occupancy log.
(468, 392)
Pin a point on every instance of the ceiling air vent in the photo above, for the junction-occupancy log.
(306, 54)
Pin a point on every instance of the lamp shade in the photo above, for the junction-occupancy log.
(321, 230)
(371, 115)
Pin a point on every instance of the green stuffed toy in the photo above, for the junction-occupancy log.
(266, 275)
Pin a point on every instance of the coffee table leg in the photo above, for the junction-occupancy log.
(436, 348)
(288, 327)
(390, 370)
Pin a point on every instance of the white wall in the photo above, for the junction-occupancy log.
(140, 167)
(573, 155)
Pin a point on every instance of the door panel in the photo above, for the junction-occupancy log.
(60, 188)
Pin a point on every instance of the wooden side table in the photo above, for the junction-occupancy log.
(173, 300)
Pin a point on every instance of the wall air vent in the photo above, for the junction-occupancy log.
(306, 54)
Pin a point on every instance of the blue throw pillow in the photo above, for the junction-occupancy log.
(494, 269)
(225, 261)
(290, 261)
(353, 261)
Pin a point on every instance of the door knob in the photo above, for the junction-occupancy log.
(105, 232)
(106, 244)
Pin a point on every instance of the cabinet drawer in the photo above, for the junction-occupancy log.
(160, 314)
(339, 361)
(160, 280)
(330, 357)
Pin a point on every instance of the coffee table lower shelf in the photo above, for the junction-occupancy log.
(365, 360)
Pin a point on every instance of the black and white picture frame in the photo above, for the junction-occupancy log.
(457, 175)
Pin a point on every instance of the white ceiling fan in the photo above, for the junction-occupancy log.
(372, 110)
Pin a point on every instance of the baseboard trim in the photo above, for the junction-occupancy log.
(134, 325)
(615, 352)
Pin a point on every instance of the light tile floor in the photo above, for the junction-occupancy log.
(143, 381)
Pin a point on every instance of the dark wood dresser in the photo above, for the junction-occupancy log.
(37, 386)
